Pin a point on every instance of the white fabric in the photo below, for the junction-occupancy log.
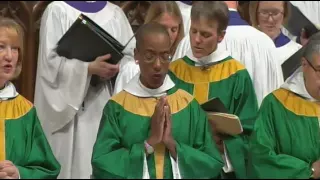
(255, 50)
(136, 88)
(285, 51)
(227, 168)
(63, 85)
(311, 9)
(295, 83)
(8, 92)
(185, 10)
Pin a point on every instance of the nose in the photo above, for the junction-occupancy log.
(197, 38)
(270, 18)
(157, 64)
(8, 54)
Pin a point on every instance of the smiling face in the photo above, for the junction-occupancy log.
(9, 53)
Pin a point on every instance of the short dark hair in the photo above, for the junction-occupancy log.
(149, 28)
(211, 10)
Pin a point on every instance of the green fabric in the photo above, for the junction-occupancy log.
(119, 148)
(28, 149)
(283, 144)
(238, 95)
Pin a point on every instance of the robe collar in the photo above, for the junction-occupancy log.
(281, 40)
(87, 6)
(218, 55)
(235, 19)
(136, 88)
(295, 83)
(8, 92)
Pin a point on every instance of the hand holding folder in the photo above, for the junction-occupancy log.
(220, 119)
(85, 41)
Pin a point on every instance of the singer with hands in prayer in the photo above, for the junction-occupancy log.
(24, 150)
(152, 129)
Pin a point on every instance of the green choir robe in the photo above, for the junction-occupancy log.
(23, 142)
(286, 137)
(229, 81)
(125, 125)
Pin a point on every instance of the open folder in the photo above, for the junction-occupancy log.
(220, 119)
(85, 41)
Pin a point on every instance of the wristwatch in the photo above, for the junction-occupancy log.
(148, 147)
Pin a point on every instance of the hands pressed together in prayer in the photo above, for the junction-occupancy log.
(161, 127)
(8, 170)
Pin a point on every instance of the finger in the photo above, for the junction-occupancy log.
(104, 57)
(9, 177)
(110, 67)
(9, 170)
(3, 175)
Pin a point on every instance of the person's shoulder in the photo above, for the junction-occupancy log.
(16, 108)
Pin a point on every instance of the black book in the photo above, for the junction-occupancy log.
(298, 21)
(85, 41)
(220, 119)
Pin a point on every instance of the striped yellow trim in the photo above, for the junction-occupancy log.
(145, 106)
(10, 110)
(202, 78)
(296, 104)
(159, 153)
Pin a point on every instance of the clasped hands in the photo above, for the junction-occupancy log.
(8, 170)
(161, 126)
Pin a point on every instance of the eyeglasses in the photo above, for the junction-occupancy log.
(275, 14)
(315, 70)
(149, 57)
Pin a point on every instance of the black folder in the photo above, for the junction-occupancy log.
(294, 61)
(298, 21)
(214, 105)
(85, 40)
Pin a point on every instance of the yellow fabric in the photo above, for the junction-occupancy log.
(202, 78)
(145, 106)
(159, 152)
(296, 104)
(10, 110)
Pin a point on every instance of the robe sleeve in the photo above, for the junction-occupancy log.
(264, 161)
(63, 82)
(127, 72)
(201, 159)
(39, 161)
(110, 159)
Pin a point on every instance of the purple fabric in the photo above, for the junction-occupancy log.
(88, 7)
(236, 20)
(187, 2)
(281, 40)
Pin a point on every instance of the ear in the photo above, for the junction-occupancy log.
(221, 35)
(304, 64)
(136, 54)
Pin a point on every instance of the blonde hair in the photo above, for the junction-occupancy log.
(158, 8)
(11, 24)
(253, 11)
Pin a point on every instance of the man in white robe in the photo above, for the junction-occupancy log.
(69, 108)
(252, 48)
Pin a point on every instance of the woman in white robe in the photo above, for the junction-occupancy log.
(269, 16)
(69, 108)
(166, 13)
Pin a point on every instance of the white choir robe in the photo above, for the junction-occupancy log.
(311, 9)
(185, 9)
(63, 85)
(285, 48)
(253, 48)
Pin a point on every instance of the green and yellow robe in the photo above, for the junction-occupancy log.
(22, 140)
(119, 151)
(228, 80)
(286, 137)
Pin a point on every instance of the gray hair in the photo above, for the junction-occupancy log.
(211, 10)
(313, 46)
